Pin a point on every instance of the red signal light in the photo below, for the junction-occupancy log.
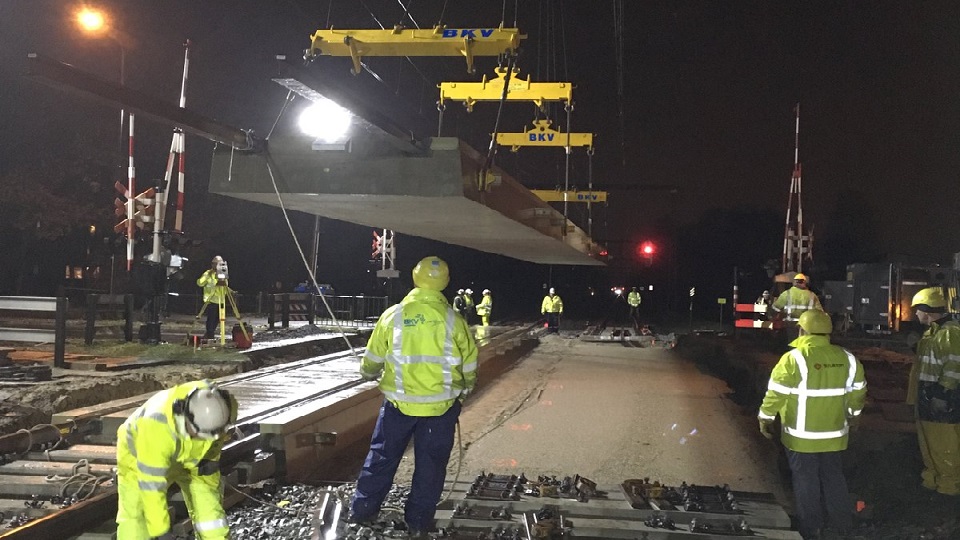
(647, 249)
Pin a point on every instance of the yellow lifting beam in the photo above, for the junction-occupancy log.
(400, 41)
(542, 135)
(519, 90)
(556, 195)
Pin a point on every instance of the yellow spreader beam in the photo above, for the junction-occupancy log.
(519, 90)
(542, 135)
(400, 41)
(554, 195)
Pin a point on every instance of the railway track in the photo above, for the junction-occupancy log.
(56, 480)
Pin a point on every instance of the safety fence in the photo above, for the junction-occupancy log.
(352, 311)
(23, 307)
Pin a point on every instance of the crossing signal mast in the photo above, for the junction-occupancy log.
(797, 244)
(385, 250)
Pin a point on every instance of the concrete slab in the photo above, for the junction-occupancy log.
(432, 195)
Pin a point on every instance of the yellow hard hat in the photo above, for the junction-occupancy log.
(931, 297)
(431, 273)
(800, 277)
(815, 322)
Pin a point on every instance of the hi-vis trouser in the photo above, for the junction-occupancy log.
(200, 493)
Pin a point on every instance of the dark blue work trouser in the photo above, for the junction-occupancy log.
(553, 321)
(432, 443)
(818, 483)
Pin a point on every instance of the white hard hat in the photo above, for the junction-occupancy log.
(552, 290)
(209, 410)
(486, 291)
(459, 291)
(469, 291)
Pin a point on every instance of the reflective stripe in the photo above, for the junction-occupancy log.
(157, 417)
(373, 358)
(152, 471)
(930, 359)
(152, 486)
(777, 387)
(766, 416)
(801, 397)
(469, 368)
(425, 359)
(853, 412)
(131, 444)
(815, 435)
(858, 386)
(398, 348)
(822, 392)
(928, 377)
(205, 526)
(447, 394)
(951, 374)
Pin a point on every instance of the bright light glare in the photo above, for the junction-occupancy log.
(325, 120)
(91, 20)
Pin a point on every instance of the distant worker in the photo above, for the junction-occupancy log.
(633, 300)
(459, 303)
(933, 389)
(470, 308)
(552, 307)
(485, 308)
(818, 389)
(176, 436)
(214, 285)
(796, 300)
(764, 299)
(428, 362)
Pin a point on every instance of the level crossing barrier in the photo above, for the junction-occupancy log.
(58, 336)
(352, 311)
(116, 303)
(756, 316)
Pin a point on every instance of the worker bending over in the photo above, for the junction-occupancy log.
(818, 389)
(485, 308)
(176, 436)
(933, 390)
(552, 307)
(426, 360)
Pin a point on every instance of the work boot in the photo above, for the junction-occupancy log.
(417, 534)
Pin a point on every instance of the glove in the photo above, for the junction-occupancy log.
(369, 376)
(938, 405)
(853, 423)
(765, 429)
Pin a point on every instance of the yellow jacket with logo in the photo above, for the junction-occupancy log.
(815, 388)
(154, 448)
(551, 304)
(426, 353)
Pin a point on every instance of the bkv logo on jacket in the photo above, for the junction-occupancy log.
(419, 319)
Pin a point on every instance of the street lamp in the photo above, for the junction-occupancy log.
(96, 24)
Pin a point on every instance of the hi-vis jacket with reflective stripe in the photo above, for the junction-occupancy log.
(153, 447)
(815, 388)
(795, 301)
(633, 298)
(551, 304)
(426, 352)
(936, 373)
(211, 293)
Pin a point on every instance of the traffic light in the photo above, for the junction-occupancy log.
(647, 249)
(143, 208)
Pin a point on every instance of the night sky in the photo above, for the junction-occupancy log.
(707, 106)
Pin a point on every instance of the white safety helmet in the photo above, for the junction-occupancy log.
(553, 291)
(486, 291)
(459, 291)
(208, 411)
(469, 291)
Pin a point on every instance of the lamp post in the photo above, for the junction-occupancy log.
(96, 23)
